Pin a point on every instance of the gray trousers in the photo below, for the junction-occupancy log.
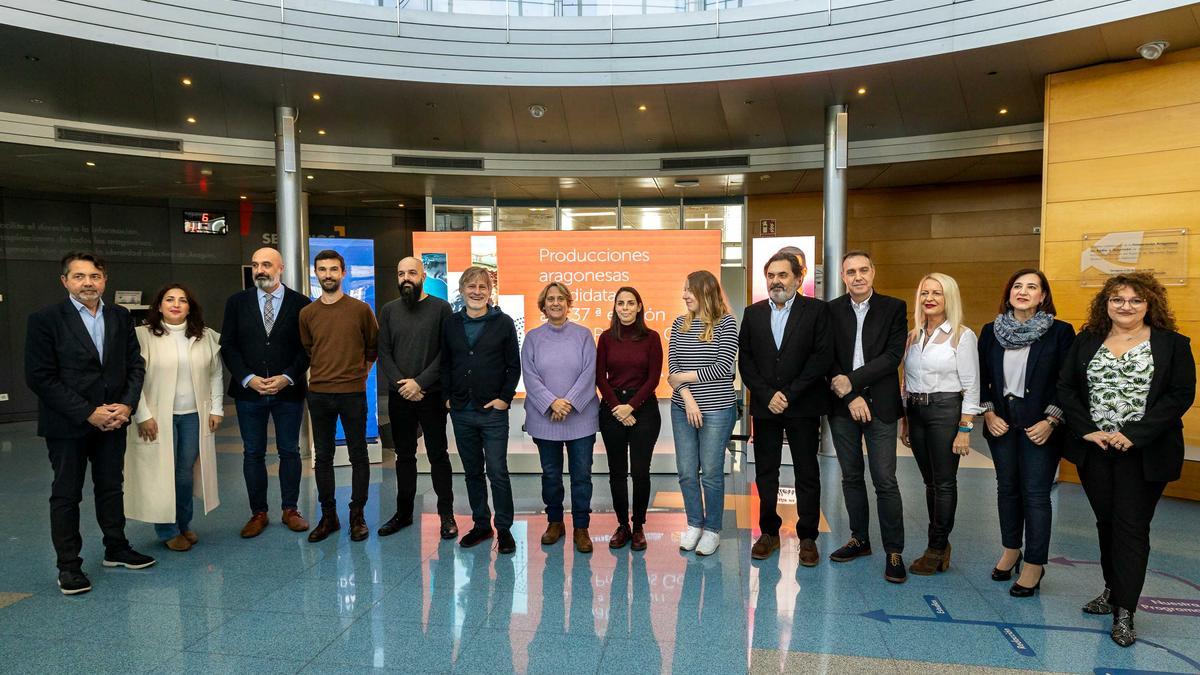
(880, 436)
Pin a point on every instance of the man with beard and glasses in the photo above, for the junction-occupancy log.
(785, 353)
(340, 335)
(260, 345)
(410, 345)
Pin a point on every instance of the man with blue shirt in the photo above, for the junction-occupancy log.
(83, 362)
(260, 344)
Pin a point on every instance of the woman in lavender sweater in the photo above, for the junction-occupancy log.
(558, 363)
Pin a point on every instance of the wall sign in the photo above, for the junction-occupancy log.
(1162, 253)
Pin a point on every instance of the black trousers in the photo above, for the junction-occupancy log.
(804, 439)
(931, 431)
(325, 409)
(629, 451)
(69, 458)
(1124, 502)
(427, 417)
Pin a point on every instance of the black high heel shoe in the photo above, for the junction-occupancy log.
(1019, 591)
(1004, 575)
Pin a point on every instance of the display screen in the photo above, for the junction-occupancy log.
(204, 222)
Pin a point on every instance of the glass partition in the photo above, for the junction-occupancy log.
(589, 217)
(516, 218)
(650, 217)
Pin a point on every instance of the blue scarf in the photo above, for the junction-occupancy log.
(1013, 334)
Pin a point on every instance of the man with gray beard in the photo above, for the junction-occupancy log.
(409, 358)
(260, 345)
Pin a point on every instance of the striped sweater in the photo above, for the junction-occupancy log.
(712, 361)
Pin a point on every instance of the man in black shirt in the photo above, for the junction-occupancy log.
(410, 344)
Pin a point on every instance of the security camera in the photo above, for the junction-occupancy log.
(1152, 50)
(537, 111)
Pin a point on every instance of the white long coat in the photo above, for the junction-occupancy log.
(150, 466)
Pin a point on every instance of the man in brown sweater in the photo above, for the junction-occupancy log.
(340, 335)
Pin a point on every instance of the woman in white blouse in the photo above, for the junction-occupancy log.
(941, 383)
(179, 411)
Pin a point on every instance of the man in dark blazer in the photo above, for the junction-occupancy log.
(260, 344)
(784, 356)
(83, 362)
(869, 332)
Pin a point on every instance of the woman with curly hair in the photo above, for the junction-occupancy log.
(1125, 386)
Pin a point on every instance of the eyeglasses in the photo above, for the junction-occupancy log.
(1134, 303)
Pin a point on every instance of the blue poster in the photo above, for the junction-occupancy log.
(359, 284)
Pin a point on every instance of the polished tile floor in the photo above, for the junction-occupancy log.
(412, 602)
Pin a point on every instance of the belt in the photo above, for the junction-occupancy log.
(1012, 397)
(931, 398)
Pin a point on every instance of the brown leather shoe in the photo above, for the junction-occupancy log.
(554, 532)
(808, 553)
(619, 538)
(179, 543)
(191, 537)
(638, 539)
(294, 521)
(254, 527)
(327, 526)
(583, 540)
(358, 525)
(764, 547)
(931, 562)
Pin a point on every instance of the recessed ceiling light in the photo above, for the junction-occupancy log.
(642, 108)
(430, 104)
(191, 120)
(862, 90)
(401, 205)
(321, 132)
(241, 196)
(1149, 51)
(437, 138)
(36, 100)
(316, 96)
(90, 163)
(537, 111)
(187, 81)
(749, 101)
(1004, 111)
(993, 72)
(310, 176)
(31, 58)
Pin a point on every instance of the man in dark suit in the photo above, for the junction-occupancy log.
(869, 332)
(83, 362)
(260, 344)
(785, 352)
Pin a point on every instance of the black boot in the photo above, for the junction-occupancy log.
(1099, 605)
(1122, 628)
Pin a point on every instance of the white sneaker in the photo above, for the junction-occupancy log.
(688, 541)
(708, 543)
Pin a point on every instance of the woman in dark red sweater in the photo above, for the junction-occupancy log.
(628, 368)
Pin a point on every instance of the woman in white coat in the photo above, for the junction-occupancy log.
(171, 442)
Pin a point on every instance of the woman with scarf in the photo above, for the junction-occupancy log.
(1020, 355)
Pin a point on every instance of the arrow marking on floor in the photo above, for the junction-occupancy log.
(883, 616)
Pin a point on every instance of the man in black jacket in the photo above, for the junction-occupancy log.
(260, 345)
(784, 355)
(480, 368)
(83, 362)
(869, 333)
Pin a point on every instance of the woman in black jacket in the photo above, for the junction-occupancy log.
(1020, 355)
(1127, 382)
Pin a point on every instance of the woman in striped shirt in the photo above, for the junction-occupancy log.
(700, 359)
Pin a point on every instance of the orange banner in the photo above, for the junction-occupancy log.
(592, 264)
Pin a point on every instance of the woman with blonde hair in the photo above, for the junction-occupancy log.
(700, 360)
(941, 383)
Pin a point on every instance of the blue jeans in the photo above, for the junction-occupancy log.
(482, 440)
(252, 422)
(1024, 476)
(699, 450)
(579, 458)
(186, 430)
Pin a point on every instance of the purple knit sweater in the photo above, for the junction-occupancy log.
(560, 363)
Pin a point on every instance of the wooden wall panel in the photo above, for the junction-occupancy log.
(1123, 154)
(978, 233)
